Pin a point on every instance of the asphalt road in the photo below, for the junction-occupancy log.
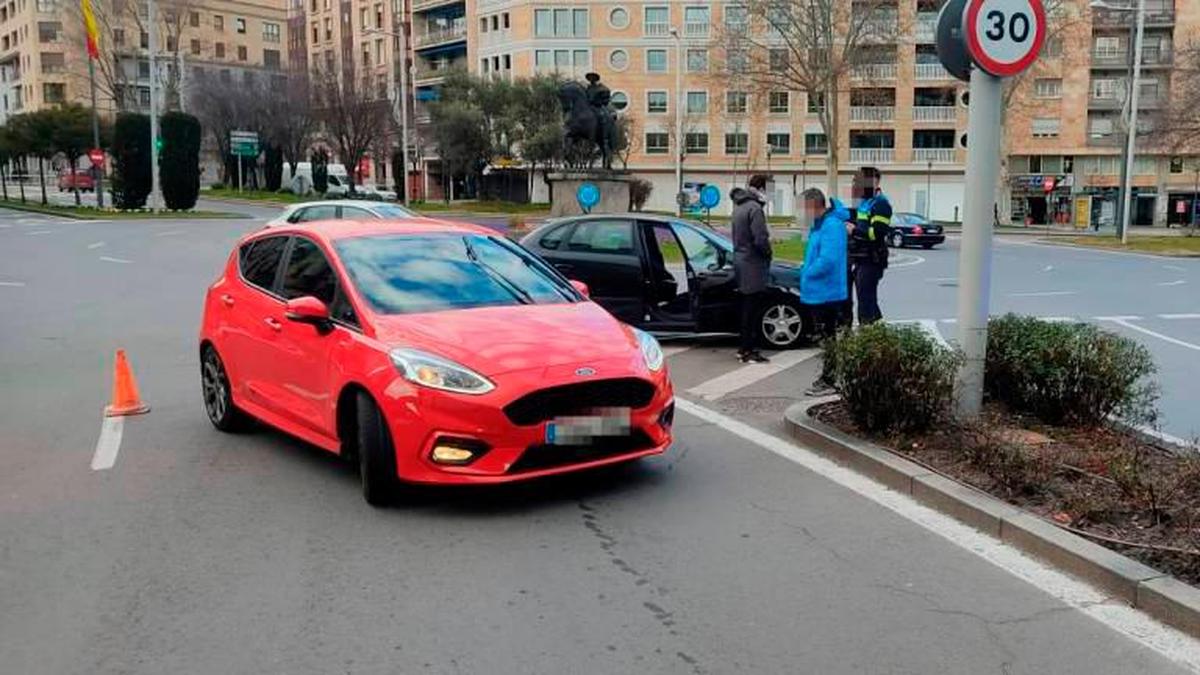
(200, 552)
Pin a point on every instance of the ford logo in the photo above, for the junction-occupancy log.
(585, 372)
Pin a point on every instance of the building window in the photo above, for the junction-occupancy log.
(619, 101)
(328, 29)
(195, 46)
(656, 102)
(119, 37)
(316, 31)
(657, 143)
(271, 59)
(737, 143)
(53, 62)
(656, 60)
(379, 16)
(737, 17)
(697, 60)
(143, 70)
(218, 22)
(816, 144)
(618, 18)
(240, 24)
(54, 92)
(816, 103)
(270, 32)
(561, 60)
(696, 143)
(242, 53)
(194, 19)
(779, 143)
(735, 102)
(1176, 165)
(618, 59)
(778, 102)
(219, 50)
(697, 102)
(737, 60)
(1104, 89)
(144, 97)
(144, 40)
(657, 21)
(778, 60)
(506, 23)
(1053, 47)
(47, 6)
(1048, 87)
(560, 23)
(1045, 127)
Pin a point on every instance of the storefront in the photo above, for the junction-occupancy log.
(1106, 199)
(1182, 209)
(1040, 199)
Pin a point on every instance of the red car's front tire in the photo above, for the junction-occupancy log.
(376, 453)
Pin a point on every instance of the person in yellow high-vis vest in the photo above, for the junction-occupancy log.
(868, 243)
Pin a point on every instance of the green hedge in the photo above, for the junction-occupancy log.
(179, 160)
(131, 161)
(892, 378)
(1068, 373)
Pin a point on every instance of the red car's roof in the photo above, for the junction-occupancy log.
(331, 230)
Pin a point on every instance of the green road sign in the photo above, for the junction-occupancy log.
(243, 143)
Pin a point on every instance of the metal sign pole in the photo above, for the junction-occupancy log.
(975, 257)
(240, 172)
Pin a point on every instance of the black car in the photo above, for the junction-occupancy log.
(666, 275)
(914, 229)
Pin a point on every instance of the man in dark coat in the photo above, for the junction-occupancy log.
(751, 261)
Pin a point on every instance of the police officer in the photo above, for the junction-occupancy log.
(868, 242)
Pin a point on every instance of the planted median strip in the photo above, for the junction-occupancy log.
(93, 213)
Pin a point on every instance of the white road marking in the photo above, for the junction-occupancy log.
(1041, 294)
(1174, 268)
(938, 280)
(749, 374)
(1177, 282)
(1089, 601)
(672, 351)
(13, 284)
(1179, 316)
(116, 260)
(1126, 322)
(930, 327)
(108, 444)
(1048, 268)
(95, 245)
(908, 261)
(168, 233)
(37, 232)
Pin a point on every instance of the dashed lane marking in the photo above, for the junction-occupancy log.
(34, 233)
(168, 233)
(120, 261)
(1041, 294)
(1085, 599)
(109, 443)
(13, 284)
(1179, 316)
(1127, 322)
(95, 245)
(749, 374)
(1177, 282)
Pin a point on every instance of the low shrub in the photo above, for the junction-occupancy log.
(639, 193)
(1015, 467)
(892, 378)
(1068, 373)
(217, 186)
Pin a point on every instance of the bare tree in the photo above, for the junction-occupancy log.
(814, 46)
(287, 117)
(224, 106)
(352, 116)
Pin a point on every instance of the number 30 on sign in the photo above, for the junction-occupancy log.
(1004, 37)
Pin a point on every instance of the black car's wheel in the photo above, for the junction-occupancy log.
(926, 246)
(780, 324)
(218, 396)
(376, 454)
(897, 239)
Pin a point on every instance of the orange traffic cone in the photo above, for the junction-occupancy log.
(125, 399)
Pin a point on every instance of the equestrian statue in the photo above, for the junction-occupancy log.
(589, 117)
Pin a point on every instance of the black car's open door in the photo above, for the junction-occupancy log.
(711, 280)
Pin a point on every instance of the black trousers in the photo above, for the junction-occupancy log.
(866, 291)
(827, 318)
(751, 305)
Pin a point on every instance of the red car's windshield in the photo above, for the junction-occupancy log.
(405, 274)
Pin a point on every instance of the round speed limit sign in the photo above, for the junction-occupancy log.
(1004, 36)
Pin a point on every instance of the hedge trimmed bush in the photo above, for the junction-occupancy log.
(179, 161)
(131, 161)
(272, 168)
(892, 378)
(1068, 373)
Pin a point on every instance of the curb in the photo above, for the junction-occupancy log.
(1161, 596)
(1085, 247)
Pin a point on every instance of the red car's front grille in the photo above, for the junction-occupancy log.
(571, 399)
(537, 457)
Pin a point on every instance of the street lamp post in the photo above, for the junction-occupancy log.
(403, 85)
(1131, 130)
(928, 186)
(678, 120)
(155, 187)
(1195, 195)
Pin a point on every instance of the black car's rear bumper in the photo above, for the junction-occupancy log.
(923, 239)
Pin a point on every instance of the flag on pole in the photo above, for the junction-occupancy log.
(89, 24)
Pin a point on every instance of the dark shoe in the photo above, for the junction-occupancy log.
(754, 357)
(820, 388)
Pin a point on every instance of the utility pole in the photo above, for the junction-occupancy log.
(928, 187)
(97, 171)
(1131, 136)
(679, 103)
(155, 187)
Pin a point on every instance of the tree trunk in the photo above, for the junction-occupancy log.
(1003, 195)
(832, 139)
(72, 164)
(24, 175)
(42, 176)
(4, 179)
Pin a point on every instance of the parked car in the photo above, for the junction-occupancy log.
(80, 180)
(375, 193)
(340, 210)
(915, 229)
(443, 354)
(666, 275)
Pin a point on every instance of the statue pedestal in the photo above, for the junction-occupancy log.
(614, 192)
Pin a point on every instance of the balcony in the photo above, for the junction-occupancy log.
(926, 27)
(935, 113)
(924, 72)
(695, 29)
(657, 29)
(1114, 102)
(439, 36)
(1159, 17)
(874, 72)
(935, 155)
(428, 73)
(422, 5)
(872, 155)
(872, 113)
(1110, 140)
(1110, 58)
(883, 27)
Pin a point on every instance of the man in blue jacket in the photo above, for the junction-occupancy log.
(823, 288)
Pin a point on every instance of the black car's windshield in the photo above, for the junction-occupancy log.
(405, 274)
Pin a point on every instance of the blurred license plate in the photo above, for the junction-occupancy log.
(584, 428)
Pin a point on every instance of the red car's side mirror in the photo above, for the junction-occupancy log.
(581, 287)
(310, 310)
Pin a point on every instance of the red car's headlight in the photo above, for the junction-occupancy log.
(435, 372)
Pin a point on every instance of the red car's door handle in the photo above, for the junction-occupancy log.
(227, 300)
(273, 323)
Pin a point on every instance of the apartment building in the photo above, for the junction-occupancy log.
(901, 112)
(43, 60)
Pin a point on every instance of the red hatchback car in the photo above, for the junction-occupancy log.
(431, 353)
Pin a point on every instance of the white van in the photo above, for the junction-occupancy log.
(299, 179)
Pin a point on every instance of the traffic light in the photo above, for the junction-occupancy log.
(158, 144)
